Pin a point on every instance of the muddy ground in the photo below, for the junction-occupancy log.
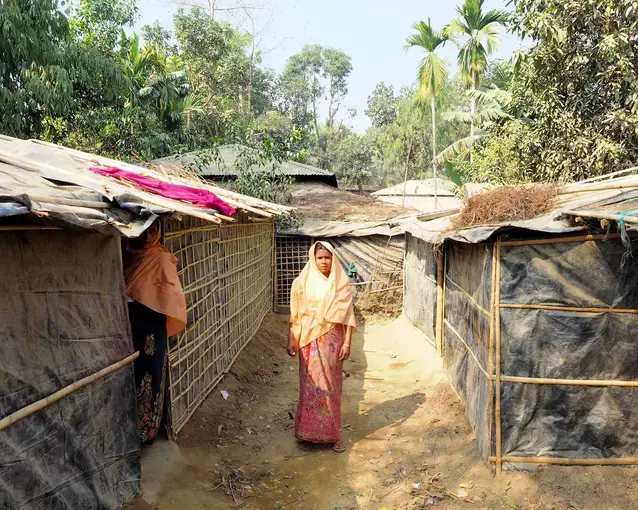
(409, 443)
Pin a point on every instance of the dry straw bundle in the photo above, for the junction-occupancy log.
(512, 203)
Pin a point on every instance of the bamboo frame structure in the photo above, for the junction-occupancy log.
(226, 273)
(67, 390)
(490, 368)
(440, 282)
(497, 361)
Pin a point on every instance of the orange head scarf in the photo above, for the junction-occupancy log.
(152, 280)
(318, 303)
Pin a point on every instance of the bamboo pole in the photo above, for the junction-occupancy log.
(556, 240)
(58, 395)
(570, 382)
(602, 216)
(437, 215)
(497, 367)
(490, 365)
(19, 228)
(439, 300)
(606, 176)
(620, 461)
(568, 308)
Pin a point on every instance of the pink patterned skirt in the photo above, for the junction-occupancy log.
(318, 417)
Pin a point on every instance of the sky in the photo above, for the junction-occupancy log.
(372, 32)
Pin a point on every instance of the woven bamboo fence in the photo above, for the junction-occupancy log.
(226, 272)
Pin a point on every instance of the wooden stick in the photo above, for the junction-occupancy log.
(18, 228)
(437, 215)
(556, 240)
(497, 367)
(606, 176)
(620, 461)
(603, 216)
(567, 308)
(618, 185)
(58, 395)
(439, 302)
(89, 204)
(570, 382)
(469, 349)
(490, 366)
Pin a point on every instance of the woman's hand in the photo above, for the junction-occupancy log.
(345, 352)
(292, 345)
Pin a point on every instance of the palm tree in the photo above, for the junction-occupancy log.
(431, 77)
(476, 34)
(494, 106)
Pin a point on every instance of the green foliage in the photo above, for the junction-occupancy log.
(432, 72)
(382, 105)
(578, 90)
(476, 34)
(352, 156)
(98, 23)
(43, 73)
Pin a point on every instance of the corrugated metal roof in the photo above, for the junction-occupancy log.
(422, 188)
(56, 186)
(228, 155)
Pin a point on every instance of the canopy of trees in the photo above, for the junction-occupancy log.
(565, 109)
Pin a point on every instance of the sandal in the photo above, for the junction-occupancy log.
(304, 446)
(338, 447)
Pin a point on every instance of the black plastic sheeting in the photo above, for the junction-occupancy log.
(467, 304)
(419, 293)
(569, 421)
(566, 421)
(64, 317)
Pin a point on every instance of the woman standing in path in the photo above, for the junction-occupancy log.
(321, 326)
(157, 309)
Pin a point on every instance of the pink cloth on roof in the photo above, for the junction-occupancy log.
(196, 196)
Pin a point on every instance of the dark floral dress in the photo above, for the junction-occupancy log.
(149, 338)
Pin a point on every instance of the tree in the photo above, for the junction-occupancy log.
(304, 81)
(43, 73)
(431, 76)
(494, 106)
(578, 84)
(382, 105)
(218, 68)
(476, 34)
(157, 36)
(352, 156)
(98, 23)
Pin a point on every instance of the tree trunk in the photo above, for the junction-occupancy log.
(436, 182)
(211, 4)
(407, 166)
(472, 111)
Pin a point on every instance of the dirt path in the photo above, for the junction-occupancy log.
(410, 445)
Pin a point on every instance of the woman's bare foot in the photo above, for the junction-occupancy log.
(339, 447)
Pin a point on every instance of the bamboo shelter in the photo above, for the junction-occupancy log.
(535, 323)
(68, 416)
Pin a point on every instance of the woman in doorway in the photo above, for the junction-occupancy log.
(321, 326)
(157, 310)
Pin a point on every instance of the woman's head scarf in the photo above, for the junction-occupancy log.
(317, 302)
(152, 280)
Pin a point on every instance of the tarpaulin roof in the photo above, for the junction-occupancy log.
(54, 185)
(614, 199)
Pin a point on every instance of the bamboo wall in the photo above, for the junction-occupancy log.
(226, 272)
